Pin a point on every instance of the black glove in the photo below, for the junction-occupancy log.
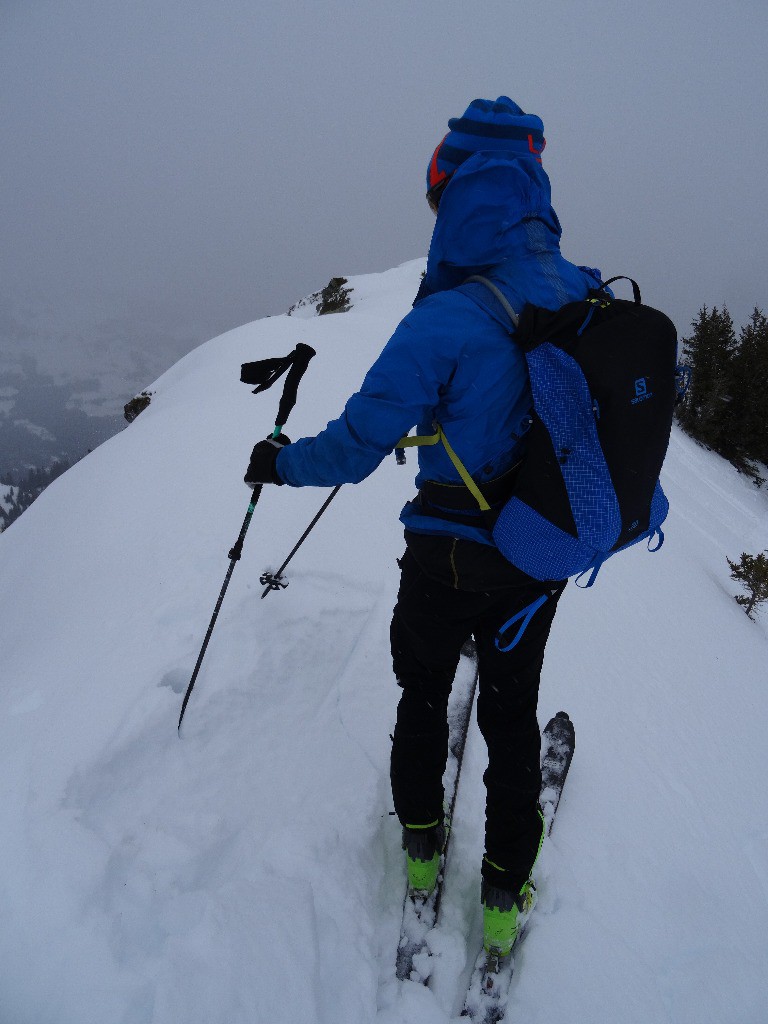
(261, 468)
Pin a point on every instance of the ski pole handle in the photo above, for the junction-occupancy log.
(300, 361)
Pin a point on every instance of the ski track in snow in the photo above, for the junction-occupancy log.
(251, 871)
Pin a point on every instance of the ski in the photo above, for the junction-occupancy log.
(559, 743)
(420, 915)
(486, 1000)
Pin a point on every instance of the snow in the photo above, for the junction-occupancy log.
(8, 496)
(250, 871)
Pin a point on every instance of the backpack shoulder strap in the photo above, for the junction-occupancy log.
(499, 295)
(439, 435)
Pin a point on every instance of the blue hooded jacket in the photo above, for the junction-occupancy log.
(451, 359)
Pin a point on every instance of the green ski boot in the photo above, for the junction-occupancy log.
(502, 907)
(501, 913)
(423, 845)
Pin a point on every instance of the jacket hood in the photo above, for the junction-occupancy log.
(481, 220)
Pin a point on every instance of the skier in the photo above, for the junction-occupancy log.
(451, 362)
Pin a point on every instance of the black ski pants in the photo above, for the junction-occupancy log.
(432, 620)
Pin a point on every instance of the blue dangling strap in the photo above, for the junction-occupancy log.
(595, 569)
(526, 615)
(655, 534)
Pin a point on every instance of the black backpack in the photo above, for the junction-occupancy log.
(605, 380)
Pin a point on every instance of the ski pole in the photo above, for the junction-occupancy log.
(264, 374)
(274, 580)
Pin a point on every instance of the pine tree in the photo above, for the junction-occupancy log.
(751, 571)
(710, 352)
(749, 388)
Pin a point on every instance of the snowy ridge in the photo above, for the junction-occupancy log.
(251, 872)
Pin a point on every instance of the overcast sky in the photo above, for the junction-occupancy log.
(202, 163)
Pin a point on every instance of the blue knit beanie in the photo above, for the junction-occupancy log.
(487, 125)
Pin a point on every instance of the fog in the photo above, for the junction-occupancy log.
(171, 170)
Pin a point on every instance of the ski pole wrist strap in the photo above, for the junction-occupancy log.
(461, 469)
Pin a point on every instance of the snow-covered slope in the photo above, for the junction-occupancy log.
(250, 871)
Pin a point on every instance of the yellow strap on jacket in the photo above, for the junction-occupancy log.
(461, 469)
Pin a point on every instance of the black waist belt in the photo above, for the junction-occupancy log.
(456, 497)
